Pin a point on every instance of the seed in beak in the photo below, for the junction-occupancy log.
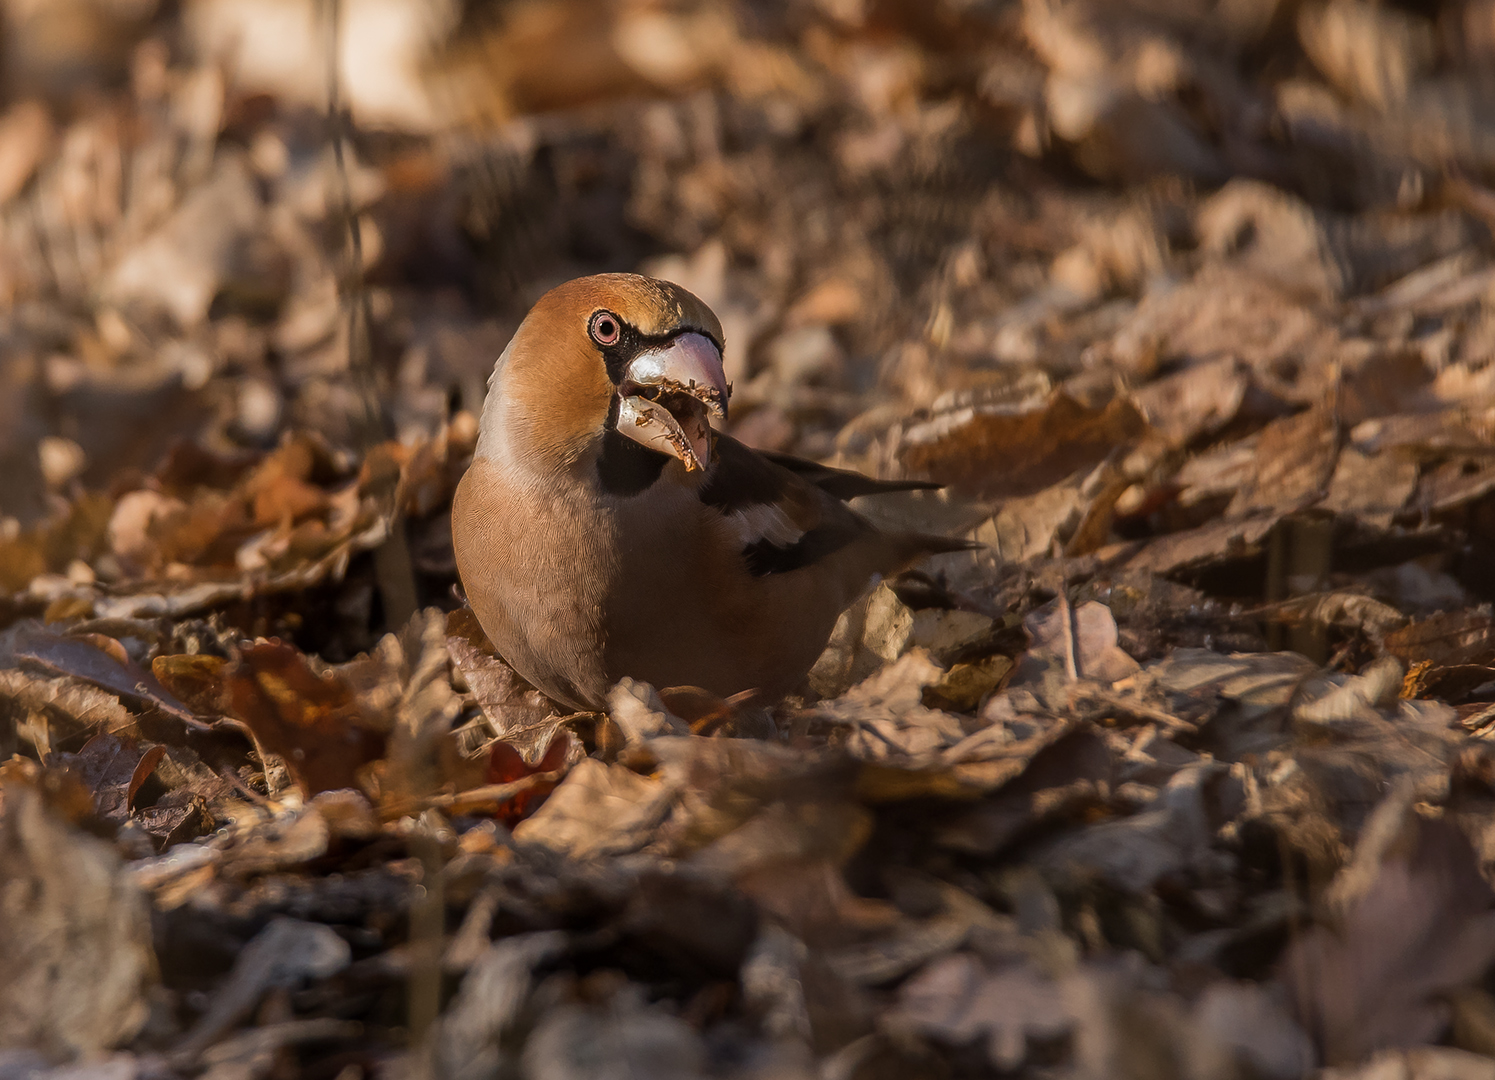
(651, 424)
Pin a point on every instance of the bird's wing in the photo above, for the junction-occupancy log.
(842, 483)
(782, 520)
(787, 514)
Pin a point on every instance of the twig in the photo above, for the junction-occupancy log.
(393, 569)
(478, 798)
(351, 291)
(1094, 694)
(427, 932)
(234, 781)
(1066, 613)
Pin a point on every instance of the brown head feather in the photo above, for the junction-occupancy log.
(550, 391)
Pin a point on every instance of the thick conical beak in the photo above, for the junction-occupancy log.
(668, 395)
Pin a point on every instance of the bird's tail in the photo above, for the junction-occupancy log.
(913, 546)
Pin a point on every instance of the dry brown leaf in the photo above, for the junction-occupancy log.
(517, 713)
(1454, 484)
(56, 654)
(179, 269)
(196, 679)
(1170, 840)
(1194, 402)
(886, 715)
(310, 721)
(1271, 234)
(1193, 550)
(644, 1039)
(52, 545)
(1344, 609)
(1368, 52)
(598, 810)
(421, 756)
(1446, 639)
(1295, 460)
(988, 450)
(1056, 772)
(1082, 640)
(42, 711)
(873, 631)
(113, 769)
(1421, 1063)
(283, 954)
(1220, 312)
(1372, 489)
(25, 132)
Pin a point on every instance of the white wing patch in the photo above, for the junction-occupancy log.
(764, 522)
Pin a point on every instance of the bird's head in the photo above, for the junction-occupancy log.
(610, 355)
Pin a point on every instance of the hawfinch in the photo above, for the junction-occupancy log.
(605, 529)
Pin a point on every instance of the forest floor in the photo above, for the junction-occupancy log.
(1187, 773)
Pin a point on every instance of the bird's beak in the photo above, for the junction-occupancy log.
(668, 395)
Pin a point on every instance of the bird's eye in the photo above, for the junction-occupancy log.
(605, 328)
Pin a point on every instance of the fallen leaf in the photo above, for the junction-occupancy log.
(886, 715)
(1168, 840)
(195, 679)
(1069, 644)
(992, 451)
(1374, 489)
(1421, 1063)
(1196, 401)
(311, 721)
(473, 1034)
(519, 714)
(585, 1042)
(1295, 463)
(1447, 638)
(59, 655)
(507, 766)
(113, 769)
(597, 810)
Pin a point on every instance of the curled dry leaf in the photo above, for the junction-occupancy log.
(1196, 401)
(518, 714)
(42, 712)
(1170, 840)
(113, 769)
(311, 721)
(507, 768)
(1070, 644)
(885, 715)
(990, 450)
(79, 659)
(194, 678)
(597, 810)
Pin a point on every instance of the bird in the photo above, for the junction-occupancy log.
(605, 528)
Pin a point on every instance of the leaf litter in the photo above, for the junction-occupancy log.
(1185, 773)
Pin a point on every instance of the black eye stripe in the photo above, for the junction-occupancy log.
(625, 342)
